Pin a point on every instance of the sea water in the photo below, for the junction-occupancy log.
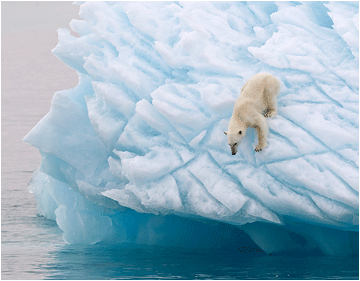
(32, 247)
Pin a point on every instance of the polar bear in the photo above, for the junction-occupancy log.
(256, 101)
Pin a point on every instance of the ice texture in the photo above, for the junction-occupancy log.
(136, 152)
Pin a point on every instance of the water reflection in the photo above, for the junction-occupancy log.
(154, 262)
(143, 262)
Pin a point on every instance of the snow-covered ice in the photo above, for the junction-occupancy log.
(136, 152)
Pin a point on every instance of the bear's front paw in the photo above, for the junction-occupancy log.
(259, 147)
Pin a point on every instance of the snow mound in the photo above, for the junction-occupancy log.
(136, 152)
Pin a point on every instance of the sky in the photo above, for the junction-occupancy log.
(36, 15)
(30, 75)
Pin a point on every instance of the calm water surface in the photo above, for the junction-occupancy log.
(32, 247)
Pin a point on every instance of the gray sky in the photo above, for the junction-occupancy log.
(36, 15)
(30, 75)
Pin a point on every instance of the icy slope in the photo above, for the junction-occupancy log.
(141, 137)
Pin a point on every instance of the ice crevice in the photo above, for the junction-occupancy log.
(136, 153)
(326, 148)
(310, 195)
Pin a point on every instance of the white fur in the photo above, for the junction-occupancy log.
(257, 100)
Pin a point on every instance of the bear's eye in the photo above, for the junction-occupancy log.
(235, 143)
(240, 132)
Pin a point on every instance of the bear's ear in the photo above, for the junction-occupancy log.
(225, 133)
(240, 132)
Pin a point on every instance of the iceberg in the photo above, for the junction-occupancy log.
(136, 154)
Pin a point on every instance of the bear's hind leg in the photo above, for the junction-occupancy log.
(271, 92)
(271, 110)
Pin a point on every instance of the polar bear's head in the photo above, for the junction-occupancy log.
(234, 139)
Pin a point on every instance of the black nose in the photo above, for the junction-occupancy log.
(233, 153)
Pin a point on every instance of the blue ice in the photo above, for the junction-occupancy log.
(136, 152)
